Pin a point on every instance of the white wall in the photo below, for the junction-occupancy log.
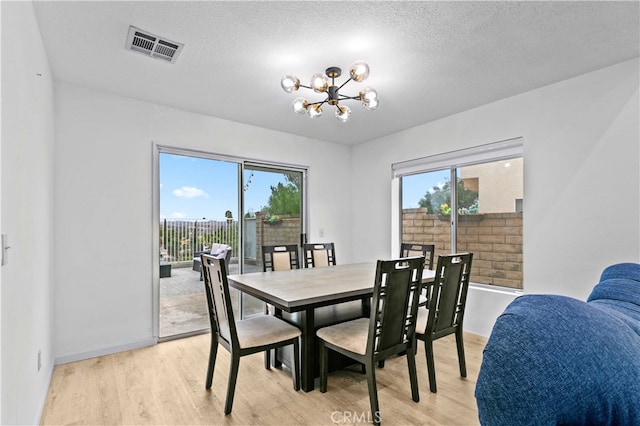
(103, 206)
(0, 232)
(27, 215)
(581, 168)
(581, 180)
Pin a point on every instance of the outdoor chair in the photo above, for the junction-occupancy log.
(319, 254)
(256, 334)
(218, 250)
(389, 331)
(445, 310)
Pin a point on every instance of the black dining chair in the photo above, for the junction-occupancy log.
(445, 310)
(426, 250)
(281, 257)
(245, 337)
(319, 254)
(415, 249)
(390, 329)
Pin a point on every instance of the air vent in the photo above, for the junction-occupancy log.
(151, 45)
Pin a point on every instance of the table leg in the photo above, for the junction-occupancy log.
(274, 354)
(366, 307)
(307, 350)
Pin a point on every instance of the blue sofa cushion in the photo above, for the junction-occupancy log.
(618, 293)
(556, 360)
(627, 271)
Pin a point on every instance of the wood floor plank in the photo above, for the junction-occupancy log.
(164, 385)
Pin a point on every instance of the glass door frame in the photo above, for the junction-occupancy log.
(155, 219)
(271, 167)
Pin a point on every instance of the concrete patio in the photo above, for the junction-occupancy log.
(183, 305)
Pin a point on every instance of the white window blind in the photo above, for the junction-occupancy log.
(503, 150)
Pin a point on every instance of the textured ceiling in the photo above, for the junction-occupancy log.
(427, 59)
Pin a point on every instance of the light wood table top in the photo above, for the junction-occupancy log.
(300, 289)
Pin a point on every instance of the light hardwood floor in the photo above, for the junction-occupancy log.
(164, 385)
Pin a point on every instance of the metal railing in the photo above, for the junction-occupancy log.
(180, 239)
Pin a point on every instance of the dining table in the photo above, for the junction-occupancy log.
(314, 297)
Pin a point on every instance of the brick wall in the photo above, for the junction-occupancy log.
(285, 231)
(495, 239)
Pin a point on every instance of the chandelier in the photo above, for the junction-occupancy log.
(358, 72)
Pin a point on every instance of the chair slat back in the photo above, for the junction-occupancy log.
(218, 299)
(280, 257)
(449, 293)
(414, 249)
(395, 304)
(319, 254)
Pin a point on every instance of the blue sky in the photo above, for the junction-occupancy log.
(196, 188)
(414, 187)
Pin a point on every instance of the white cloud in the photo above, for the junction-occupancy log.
(189, 192)
(439, 185)
(178, 215)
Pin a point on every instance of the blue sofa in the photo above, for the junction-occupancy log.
(552, 359)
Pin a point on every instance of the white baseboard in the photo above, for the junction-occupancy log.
(105, 351)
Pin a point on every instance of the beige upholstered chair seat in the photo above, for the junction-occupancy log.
(351, 335)
(264, 330)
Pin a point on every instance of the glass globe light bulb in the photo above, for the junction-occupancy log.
(359, 71)
(300, 105)
(315, 111)
(290, 83)
(369, 98)
(343, 113)
(319, 82)
(372, 105)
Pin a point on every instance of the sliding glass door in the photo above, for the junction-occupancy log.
(208, 201)
(199, 205)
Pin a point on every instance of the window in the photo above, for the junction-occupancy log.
(481, 213)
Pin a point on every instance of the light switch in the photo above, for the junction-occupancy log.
(5, 249)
